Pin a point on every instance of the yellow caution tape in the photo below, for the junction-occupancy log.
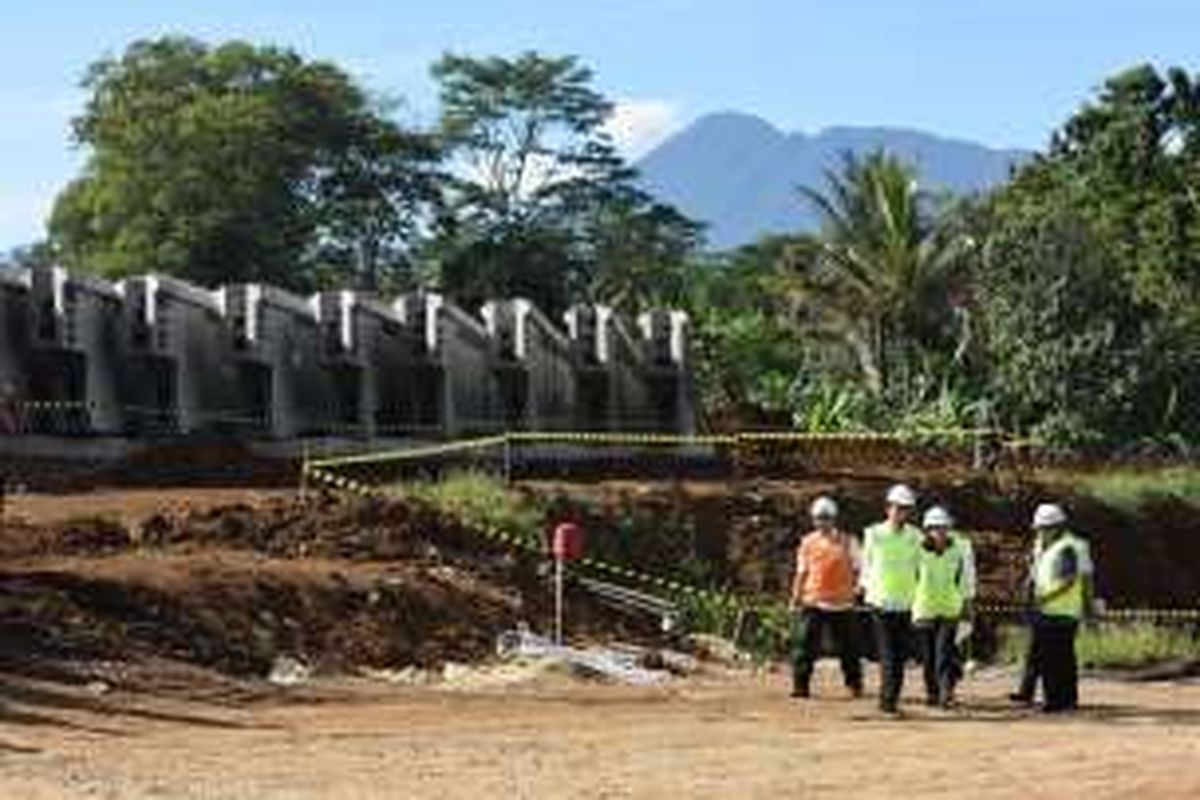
(616, 438)
(411, 453)
(635, 439)
(676, 587)
(524, 543)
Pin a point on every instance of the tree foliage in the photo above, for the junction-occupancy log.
(541, 205)
(1093, 271)
(877, 276)
(1063, 304)
(231, 163)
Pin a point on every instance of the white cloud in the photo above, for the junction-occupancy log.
(22, 218)
(636, 126)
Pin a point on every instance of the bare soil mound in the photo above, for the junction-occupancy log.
(338, 583)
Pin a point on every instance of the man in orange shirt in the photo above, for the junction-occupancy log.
(823, 592)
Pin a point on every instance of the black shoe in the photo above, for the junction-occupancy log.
(932, 701)
(856, 691)
(1021, 699)
(800, 692)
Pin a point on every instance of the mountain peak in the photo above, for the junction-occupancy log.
(739, 173)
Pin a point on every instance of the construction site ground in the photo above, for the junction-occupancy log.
(730, 736)
(138, 627)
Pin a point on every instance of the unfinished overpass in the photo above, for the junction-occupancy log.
(152, 356)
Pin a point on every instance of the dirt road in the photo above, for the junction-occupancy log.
(715, 738)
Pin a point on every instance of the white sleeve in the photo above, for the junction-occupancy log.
(969, 587)
(1084, 554)
(865, 559)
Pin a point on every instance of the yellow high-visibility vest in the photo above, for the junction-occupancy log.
(891, 559)
(939, 590)
(1070, 602)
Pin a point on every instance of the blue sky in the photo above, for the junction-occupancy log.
(1002, 72)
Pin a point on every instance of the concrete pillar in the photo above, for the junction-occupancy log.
(75, 351)
(184, 376)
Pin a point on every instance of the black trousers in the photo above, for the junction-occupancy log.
(1056, 662)
(939, 658)
(893, 630)
(808, 629)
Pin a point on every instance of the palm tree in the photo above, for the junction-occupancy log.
(877, 275)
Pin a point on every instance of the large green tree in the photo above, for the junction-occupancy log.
(1090, 283)
(637, 253)
(541, 204)
(234, 163)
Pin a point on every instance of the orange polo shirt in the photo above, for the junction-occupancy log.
(827, 566)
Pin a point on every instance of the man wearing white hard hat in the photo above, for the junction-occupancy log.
(822, 599)
(891, 555)
(945, 587)
(1062, 598)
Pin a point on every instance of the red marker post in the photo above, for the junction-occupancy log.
(566, 544)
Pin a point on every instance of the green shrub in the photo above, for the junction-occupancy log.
(1133, 645)
(1127, 489)
(1110, 645)
(480, 500)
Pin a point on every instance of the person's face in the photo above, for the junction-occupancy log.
(938, 534)
(897, 514)
(823, 523)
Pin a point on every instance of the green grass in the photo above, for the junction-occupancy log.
(1127, 489)
(1120, 646)
(479, 500)
(1111, 645)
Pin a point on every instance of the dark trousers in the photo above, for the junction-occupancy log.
(893, 629)
(808, 629)
(1056, 662)
(1032, 663)
(939, 658)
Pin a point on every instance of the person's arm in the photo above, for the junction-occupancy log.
(801, 573)
(1087, 574)
(856, 558)
(968, 578)
(864, 572)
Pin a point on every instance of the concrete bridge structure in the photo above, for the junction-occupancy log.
(152, 356)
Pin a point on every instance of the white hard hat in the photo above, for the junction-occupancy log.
(1047, 515)
(901, 495)
(823, 507)
(937, 517)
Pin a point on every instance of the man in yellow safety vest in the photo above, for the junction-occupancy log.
(891, 554)
(945, 587)
(1062, 596)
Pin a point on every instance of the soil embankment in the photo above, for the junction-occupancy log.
(742, 534)
(337, 583)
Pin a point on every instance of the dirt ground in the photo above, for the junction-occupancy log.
(130, 505)
(132, 658)
(716, 737)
